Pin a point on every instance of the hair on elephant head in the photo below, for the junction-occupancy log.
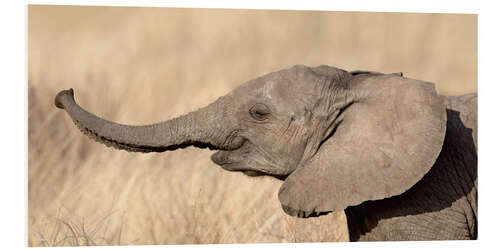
(336, 138)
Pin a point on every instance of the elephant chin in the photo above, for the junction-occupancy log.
(220, 158)
(253, 173)
(228, 160)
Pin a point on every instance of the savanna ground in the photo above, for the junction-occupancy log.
(143, 65)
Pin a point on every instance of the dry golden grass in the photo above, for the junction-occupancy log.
(143, 65)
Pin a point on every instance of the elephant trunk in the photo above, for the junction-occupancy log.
(200, 129)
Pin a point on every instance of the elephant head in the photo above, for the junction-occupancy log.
(336, 138)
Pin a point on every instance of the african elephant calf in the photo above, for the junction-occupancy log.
(397, 157)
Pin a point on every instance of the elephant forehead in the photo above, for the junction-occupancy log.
(285, 93)
(268, 89)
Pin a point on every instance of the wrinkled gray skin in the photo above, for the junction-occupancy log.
(397, 157)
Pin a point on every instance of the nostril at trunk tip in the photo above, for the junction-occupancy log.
(61, 98)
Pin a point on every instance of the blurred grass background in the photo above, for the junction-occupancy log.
(143, 65)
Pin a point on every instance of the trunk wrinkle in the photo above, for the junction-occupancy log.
(192, 129)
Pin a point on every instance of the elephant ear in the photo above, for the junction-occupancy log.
(387, 138)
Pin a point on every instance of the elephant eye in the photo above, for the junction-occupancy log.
(259, 112)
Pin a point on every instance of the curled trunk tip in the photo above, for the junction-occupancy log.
(63, 97)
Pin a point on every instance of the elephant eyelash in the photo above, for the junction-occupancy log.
(259, 112)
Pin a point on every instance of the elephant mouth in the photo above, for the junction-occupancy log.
(237, 167)
(224, 157)
(235, 159)
(240, 160)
